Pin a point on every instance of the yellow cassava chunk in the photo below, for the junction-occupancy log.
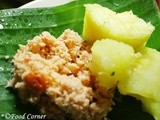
(145, 79)
(151, 106)
(101, 22)
(111, 61)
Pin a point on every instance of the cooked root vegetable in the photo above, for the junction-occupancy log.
(145, 79)
(114, 61)
(152, 106)
(111, 61)
(101, 22)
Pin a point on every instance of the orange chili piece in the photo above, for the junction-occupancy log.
(36, 81)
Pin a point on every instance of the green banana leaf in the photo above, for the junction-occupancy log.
(19, 25)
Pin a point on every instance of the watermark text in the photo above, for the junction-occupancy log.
(24, 116)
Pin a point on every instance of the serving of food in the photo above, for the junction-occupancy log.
(54, 75)
(72, 76)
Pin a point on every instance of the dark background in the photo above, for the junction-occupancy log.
(4, 4)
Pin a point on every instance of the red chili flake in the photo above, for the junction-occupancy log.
(36, 81)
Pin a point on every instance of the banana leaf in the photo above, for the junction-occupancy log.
(19, 25)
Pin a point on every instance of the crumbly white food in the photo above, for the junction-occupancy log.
(53, 74)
